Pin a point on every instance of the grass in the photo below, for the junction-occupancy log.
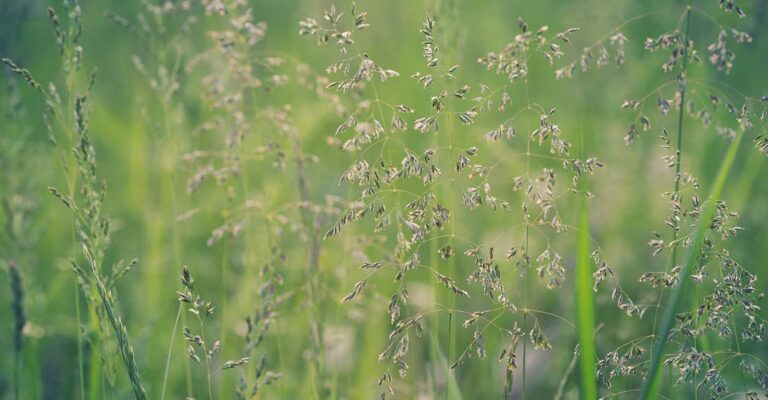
(397, 202)
(585, 307)
(653, 384)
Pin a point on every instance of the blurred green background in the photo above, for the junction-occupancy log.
(141, 144)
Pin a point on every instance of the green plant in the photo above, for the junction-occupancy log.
(427, 200)
(712, 307)
(90, 225)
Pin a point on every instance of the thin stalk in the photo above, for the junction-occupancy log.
(171, 151)
(564, 379)
(450, 380)
(449, 11)
(653, 380)
(250, 246)
(271, 243)
(207, 361)
(679, 149)
(527, 248)
(680, 114)
(223, 301)
(434, 247)
(78, 321)
(525, 323)
(71, 176)
(435, 320)
(313, 262)
(95, 370)
(452, 262)
(170, 351)
(678, 154)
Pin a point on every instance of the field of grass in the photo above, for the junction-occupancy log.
(439, 199)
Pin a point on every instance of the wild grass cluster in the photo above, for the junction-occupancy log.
(217, 199)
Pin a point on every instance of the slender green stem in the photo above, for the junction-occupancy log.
(223, 307)
(452, 239)
(313, 257)
(452, 213)
(527, 250)
(207, 359)
(679, 149)
(435, 320)
(71, 177)
(78, 321)
(525, 324)
(170, 350)
(680, 115)
(95, 371)
(171, 152)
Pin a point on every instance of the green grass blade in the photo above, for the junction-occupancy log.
(653, 380)
(452, 389)
(585, 308)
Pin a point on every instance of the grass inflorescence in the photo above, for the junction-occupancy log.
(449, 201)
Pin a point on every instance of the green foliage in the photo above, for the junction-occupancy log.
(383, 199)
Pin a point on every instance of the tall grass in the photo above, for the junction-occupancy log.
(653, 383)
(92, 228)
(395, 208)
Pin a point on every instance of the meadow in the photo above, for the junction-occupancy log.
(438, 199)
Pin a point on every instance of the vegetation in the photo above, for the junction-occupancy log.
(383, 199)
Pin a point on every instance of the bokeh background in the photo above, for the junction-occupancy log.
(141, 144)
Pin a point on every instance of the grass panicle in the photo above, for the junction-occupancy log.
(692, 256)
(405, 205)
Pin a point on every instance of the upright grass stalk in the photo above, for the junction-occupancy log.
(71, 176)
(447, 43)
(653, 379)
(159, 46)
(89, 224)
(172, 146)
(585, 308)
(452, 262)
(170, 351)
(435, 320)
(223, 296)
(71, 54)
(527, 250)
(313, 255)
(78, 321)
(680, 115)
(679, 148)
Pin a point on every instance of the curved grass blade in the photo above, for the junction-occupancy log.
(653, 379)
(452, 389)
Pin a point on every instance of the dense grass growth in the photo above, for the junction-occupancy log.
(219, 199)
